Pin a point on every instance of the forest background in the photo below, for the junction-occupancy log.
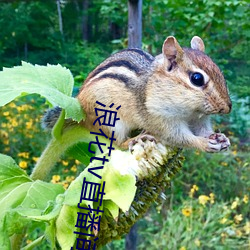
(207, 206)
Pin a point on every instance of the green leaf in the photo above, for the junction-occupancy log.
(73, 193)
(50, 233)
(38, 195)
(28, 200)
(112, 207)
(45, 216)
(65, 226)
(22, 200)
(9, 168)
(6, 186)
(4, 240)
(80, 152)
(13, 223)
(119, 193)
(14, 198)
(53, 82)
(119, 188)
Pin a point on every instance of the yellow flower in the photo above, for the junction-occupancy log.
(223, 220)
(235, 203)
(197, 242)
(4, 134)
(77, 162)
(193, 190)
(70, 178)
(55, 178)
(211, 195)
(203, 199)
(12, 105)
(14, 123)
(29, 124)
(183, 248)
(73, 168)
(238, 218)
(245, 199)
(187, 211)
(35, 159)
(65, 163)
(65, 185)
(24, 154)
(224, 164)
(6, 141)
(247, 227)
(234, 152)
(23, 164)
(23, 107)
(6, 113)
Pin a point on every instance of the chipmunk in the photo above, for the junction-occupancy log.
(170, 97)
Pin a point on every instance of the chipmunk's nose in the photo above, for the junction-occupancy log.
(227, 108)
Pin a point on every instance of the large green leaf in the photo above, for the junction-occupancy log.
(53, 82)
(22, 200)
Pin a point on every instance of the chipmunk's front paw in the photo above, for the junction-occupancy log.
(141, 139)
(218, 142)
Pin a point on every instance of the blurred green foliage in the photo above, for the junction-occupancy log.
(30, 32)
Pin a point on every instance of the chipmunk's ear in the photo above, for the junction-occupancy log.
(171, 49)
(197, 43)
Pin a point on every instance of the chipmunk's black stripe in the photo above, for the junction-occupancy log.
(142, 53)
(118, 63)
(118, 77)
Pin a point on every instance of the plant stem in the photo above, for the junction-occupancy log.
(56, 147)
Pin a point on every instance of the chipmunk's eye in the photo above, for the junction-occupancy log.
(197, 79)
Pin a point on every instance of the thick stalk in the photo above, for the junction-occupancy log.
(56, 148)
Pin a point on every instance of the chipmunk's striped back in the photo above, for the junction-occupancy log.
(121, 80)
(123, 66)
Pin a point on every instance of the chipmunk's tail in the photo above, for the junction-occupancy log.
(50, 117)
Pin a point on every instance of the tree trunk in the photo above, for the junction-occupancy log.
(85, 19)
(134, 41)
(135, 23)
(59, 16)
(131, 238)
